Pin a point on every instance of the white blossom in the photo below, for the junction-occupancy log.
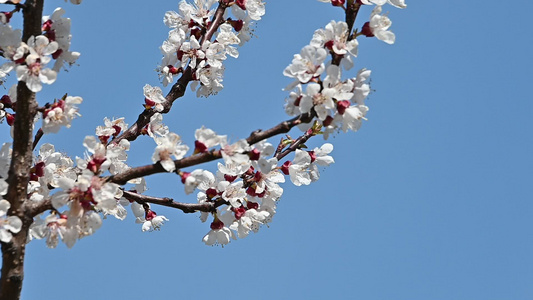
(167, 147)
(9, 224)
(61, 113)
(33, 72)
(379, 25)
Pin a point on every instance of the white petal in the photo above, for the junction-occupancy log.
(5, 236)
(386, 36)
(4, 207)
(168, 165)
(48, 76)
(14, 224)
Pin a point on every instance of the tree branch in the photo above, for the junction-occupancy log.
(254, 137)
(18, 176)
(177, 90)
(169, 202)
(351, 14)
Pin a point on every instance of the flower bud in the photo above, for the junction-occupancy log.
(342, 106)
(229, 178)
(366, 30)
(252, 205)
(10, 119)
(239, 212)
(285, 167)
(199, 147)
(254, 154)
(337, 2)
(184, 176)
(150, 214)
(217, 224)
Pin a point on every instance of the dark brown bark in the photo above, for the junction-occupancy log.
(18, 178)
(169, 202)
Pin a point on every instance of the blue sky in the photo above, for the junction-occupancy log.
(431, 199)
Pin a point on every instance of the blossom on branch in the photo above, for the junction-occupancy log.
(9, 224)
(60, 113)
(167, 147)
(58, 29)
(38, 50)
(378, 26)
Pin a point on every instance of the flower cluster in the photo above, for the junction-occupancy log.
(245, 189)
(29, 59)
(80, 188)
(318, 88)
(242, 194)
(60, 113)
(189, 45)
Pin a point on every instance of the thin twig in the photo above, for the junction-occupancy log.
(37, 138)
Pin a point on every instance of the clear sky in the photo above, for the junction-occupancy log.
(431, 199)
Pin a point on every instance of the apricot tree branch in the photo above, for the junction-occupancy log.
(169, 202)
(177, 90)
(197, 159)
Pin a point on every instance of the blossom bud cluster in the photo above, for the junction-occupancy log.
(189, 46)
(245, 189)
(80, 188)
(242, 194)
(29, 59)
(318, 88)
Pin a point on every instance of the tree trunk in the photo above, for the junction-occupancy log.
(13, 265)
(21, 162)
